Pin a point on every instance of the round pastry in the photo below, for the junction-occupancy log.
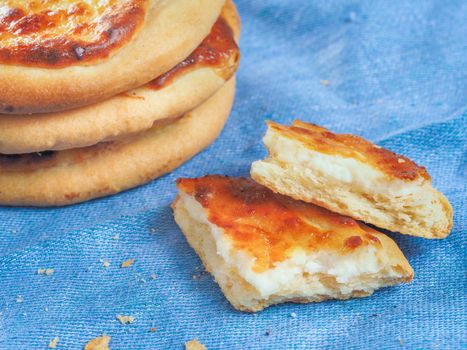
(69, 53)
(173, 93)
(72, 176)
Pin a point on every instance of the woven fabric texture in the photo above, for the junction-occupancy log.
(394, 72)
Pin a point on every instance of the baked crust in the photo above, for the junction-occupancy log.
(171, 30)
(241, 229)
(350, 146)
(63, 33)
(181, 89)
(72, 176)
(351, 176)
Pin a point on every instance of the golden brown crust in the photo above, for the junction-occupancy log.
(270, 227)
(219, 49)
(64, 33)
(352, 177)
(130, 112)
(170, 32)
(235, 218)
(74, 176)
(351, 146)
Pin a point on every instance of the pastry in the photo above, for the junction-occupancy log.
(76, 175)
(69, 53)
(264, 248)
(175, 92)
(351, 176)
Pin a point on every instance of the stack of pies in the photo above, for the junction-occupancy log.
(100, 96)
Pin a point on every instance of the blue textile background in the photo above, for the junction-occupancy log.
(397, 73)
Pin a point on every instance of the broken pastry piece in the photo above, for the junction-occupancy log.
(264, 248)
(351, 176)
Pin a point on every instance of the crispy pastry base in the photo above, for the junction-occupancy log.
(244, 296)
(77, 175)
(365, 181)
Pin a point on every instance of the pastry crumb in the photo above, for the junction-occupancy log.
(46, 272)
(152, 329)
(116, 237)
(401, 341)
(152, 229)
(194, 345)
(324, 82)
(53, 343)
(125, 319)
(293, 315)
(128, 263)
(99, 343)
(153, 276)
(19, 299)
(400, 160)
(105, 263)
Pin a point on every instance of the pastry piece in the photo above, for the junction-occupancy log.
(57, 55)
(77, 175)
(351, 176)
(181, 89)
(264, 248)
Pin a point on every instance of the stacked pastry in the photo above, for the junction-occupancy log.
(100, 96)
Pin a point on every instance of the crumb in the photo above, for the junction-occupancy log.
(401, 341)
(19, 299)
(378, 147)
(195, 277)
(152, 229)
(125, 319)
(153, 276)
(46, 309)
(194, 345)
(152, 329)
(400, 160)
(53, 343)
(46, 272)
(105, 263)
(324, 82)
(99, 343)
(127, 263)
(293, 315)
(116, 237)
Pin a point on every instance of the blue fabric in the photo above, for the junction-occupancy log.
(397, 73)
